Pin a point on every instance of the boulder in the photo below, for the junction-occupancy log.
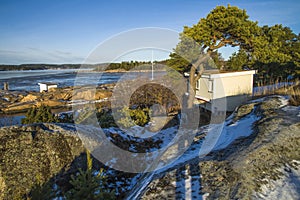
(91, 94)
(34, 154)
(29, 98)
(51, 103)
(18, 107)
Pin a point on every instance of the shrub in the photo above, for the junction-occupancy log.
(87, 185)
(42, 192)
(140, 116)
(131, 117)
(39, 114)
(105, 119)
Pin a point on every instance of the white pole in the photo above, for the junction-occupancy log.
(152, 66)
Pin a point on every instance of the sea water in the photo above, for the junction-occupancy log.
(28, 79)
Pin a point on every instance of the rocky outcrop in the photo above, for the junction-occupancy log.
(29, 98)
(248, 166)
(35, 154)
(2, 187)
(41, 153)
(46, 156)
(21, 101)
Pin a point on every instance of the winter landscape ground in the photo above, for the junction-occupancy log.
(149, 100)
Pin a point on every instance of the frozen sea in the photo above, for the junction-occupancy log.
(28, 79)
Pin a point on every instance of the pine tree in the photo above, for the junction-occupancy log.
(87, 185)
(39, 115)
(42, 192)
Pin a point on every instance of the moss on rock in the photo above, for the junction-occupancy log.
(34, 154)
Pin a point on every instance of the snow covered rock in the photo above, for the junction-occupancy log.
(256, 157)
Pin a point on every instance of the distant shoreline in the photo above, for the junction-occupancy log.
(124, 71)
(86, 70)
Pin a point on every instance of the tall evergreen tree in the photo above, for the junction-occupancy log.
(223, 26)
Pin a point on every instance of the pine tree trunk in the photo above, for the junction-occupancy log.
(198, 65)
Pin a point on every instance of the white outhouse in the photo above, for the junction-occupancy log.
(224, 91)
(47, 86)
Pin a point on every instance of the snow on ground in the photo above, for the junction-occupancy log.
(287, 187)
(291, 109)
(188, 187)
(217, 136)
(233, 131)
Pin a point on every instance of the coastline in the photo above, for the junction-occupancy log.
(121, 71)
(14, 102)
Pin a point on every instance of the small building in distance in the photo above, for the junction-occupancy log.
(224, 91)
(46, 86)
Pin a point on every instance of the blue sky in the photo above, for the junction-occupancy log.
(66, 31)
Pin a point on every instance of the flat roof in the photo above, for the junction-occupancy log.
(47, 83)
(220, 74)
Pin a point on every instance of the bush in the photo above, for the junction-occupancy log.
(105, 119)
(39, 114)
(87, 185)
(132, 117)
(42, 192)
(141, 117)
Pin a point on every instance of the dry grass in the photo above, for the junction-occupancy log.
(271, 88)
(292, 91)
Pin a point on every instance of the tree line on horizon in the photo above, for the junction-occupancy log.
(125, 65)
(4, 67)
(131, 65)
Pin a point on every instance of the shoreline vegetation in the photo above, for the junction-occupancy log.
(99, 67)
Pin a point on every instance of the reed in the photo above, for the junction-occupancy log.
(294, 94)
(272, 86)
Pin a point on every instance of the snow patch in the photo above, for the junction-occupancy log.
(217, 137)
(231, 132)
(288, 187)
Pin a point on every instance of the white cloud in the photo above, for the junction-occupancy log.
(37, 55)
